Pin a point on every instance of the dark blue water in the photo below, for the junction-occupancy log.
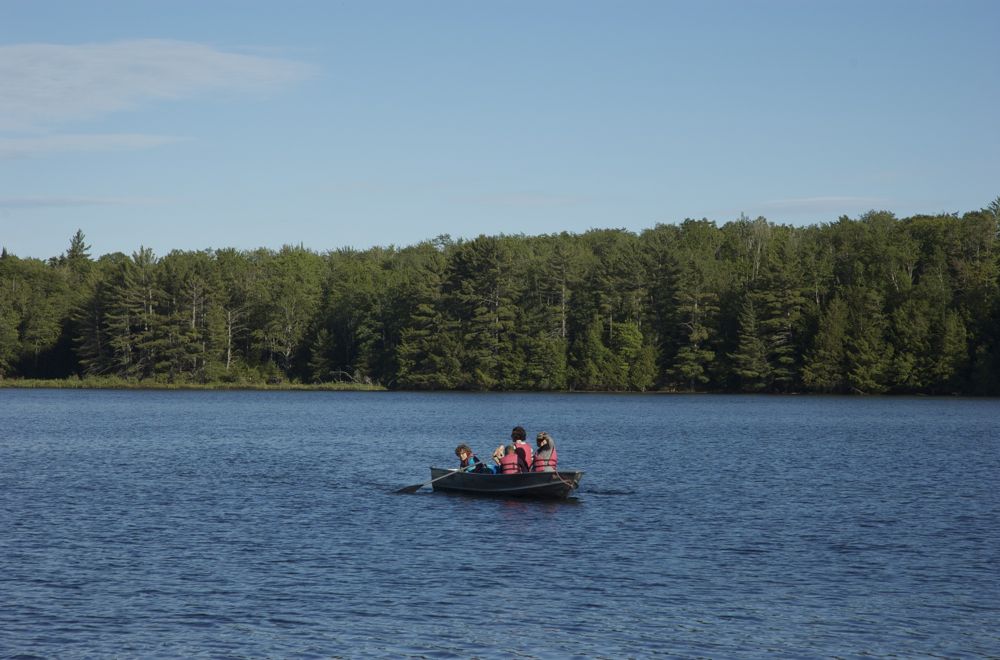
(248, 524)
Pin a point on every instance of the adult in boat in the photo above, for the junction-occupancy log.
(522, 448)
(509, 461)
(469, 462)
(545, 454)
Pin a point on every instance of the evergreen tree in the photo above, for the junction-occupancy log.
(911, 331)
(238, 275)
(591, 362)
(129, 317)
(480, 286)
(824, 368)
(321, 365)
(77, 258)
(869, 355)
(546, 366)
(948, 357)
(634, 359)
(428, 354)
(781, 304)
(9, 319)
(292, 281)
(350, 315)
(696, 307)
(750, 360)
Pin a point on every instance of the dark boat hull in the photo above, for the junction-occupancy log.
(526, 484)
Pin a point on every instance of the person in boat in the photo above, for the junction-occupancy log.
(508, 460)
(522, 448)
(470, 462)
(545, 454)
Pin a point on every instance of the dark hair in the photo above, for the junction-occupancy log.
(518, 433)
(463, 447)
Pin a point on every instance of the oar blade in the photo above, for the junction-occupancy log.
(414, 488)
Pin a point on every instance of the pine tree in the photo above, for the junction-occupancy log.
(948, 355)
(869, 355)
(480, 289)
(634, 358)
(545, 364)
(428, 353)
(321, 367)
(591, 362)
(696, 308)
(9, 344)
(824, 368)
(750, 360)
(910, 329)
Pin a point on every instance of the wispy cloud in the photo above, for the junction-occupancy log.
(12, 203)
(34, 146)
(49, 84)
(823, 204)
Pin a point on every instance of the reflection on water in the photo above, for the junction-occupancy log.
(268, 525)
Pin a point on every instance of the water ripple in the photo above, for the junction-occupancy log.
(231, 525)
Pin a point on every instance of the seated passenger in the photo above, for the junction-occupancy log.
(470, 462)
(545, 456)
(523, 448)
(509, 461)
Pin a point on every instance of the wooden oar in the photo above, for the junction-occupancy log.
(415, 487)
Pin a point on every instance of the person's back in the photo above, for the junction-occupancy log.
(523, 449)
(545, 457)
(524, 456)
(510, 460)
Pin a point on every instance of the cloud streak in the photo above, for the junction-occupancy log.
(45, 85)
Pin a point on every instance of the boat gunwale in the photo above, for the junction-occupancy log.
(560, 487)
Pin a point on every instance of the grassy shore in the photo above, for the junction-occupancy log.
(97, 383)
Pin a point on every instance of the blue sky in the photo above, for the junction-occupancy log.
(192, 125)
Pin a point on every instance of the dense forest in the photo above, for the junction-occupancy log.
(868, 305)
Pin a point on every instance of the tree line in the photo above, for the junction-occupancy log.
(869, 305)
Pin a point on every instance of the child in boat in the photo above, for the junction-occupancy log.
(508, 460)
(470, 462)
(545, 455)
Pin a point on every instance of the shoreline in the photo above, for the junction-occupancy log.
(122, 384)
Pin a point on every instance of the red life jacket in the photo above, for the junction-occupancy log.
(508, 464)
(524, 452)
(541, 464)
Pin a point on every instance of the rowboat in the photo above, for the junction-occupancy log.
(525, 484)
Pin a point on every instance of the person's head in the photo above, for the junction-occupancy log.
(509, 449)
(463, 451)
(542, 439)
(518, 434)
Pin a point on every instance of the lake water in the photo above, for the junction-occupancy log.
(262, 524)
